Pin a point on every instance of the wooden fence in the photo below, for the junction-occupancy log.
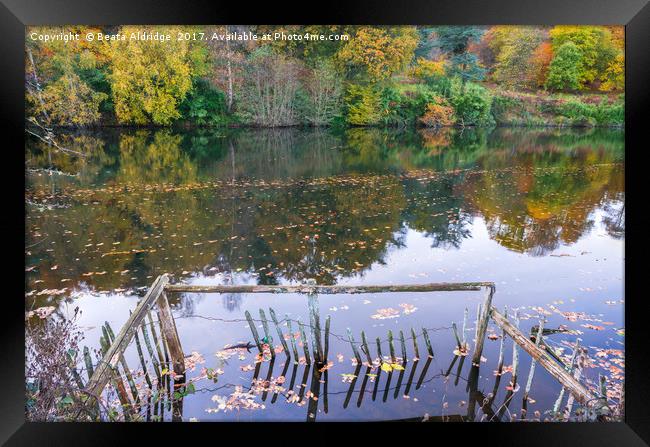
(168, 350)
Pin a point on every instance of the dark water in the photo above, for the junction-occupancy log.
(539, 212)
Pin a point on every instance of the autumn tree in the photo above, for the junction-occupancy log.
(374, 54)
(150, 79)
(512, 68)
(54, 84)
(539, 63)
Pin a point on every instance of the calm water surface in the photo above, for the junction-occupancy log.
(539, 212)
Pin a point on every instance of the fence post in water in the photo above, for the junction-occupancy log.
(365, 348)
(427, 341)
(391, 347)
(515, 354)
(465, 316)
(117, 383)
(558, 402)
(482, 329)
(142, 362)
(147, 342)
(501, 346)
(256, 337)
(312, 299)
(267, 335)
(171, 334)
(477, 324)
(327, 339)
(403, 344)
(529, 382)
(277, 326)
(458, 342)
(381, 358)
(415, 344)
(305, 344)
(110, 337)
(161, 356)
(293, 340)
(354, 346)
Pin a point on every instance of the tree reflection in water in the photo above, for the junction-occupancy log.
(291, 205)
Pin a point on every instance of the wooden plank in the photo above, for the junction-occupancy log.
(567, 380)
(322, 289)
(171, 334)
(111, 358)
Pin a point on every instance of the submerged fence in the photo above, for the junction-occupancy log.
(165, 353)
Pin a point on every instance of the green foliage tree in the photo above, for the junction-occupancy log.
(204, 105)
(454, 41)
(595, 44)
(566, 68)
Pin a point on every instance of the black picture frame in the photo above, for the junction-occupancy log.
(16, 14)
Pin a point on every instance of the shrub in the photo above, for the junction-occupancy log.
(438, 113)
(503, 105)
(363, 105)
(204, 105)
(583, 114)
(400, 108)
(426, 69)
(473, 106)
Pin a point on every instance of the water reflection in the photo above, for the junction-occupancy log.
(291, 205)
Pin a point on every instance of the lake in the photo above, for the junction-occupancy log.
(540, 212)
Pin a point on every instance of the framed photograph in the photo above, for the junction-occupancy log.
(373, 213)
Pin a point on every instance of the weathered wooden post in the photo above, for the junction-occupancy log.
(458, 342)
(267, 334)
(312, 299)
(531, 372)
(305, 344)
(354, 346)
(558, 402)
(293, 340)
(391, 347)
(427, 342)
(403, 346)
(482, 329)
(327, 340)
(280, 335)
(365, 348)
(415, 344)
(256, 336)
(171, 334)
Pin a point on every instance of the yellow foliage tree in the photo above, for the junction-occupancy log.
(149, 79)
(377, 53)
